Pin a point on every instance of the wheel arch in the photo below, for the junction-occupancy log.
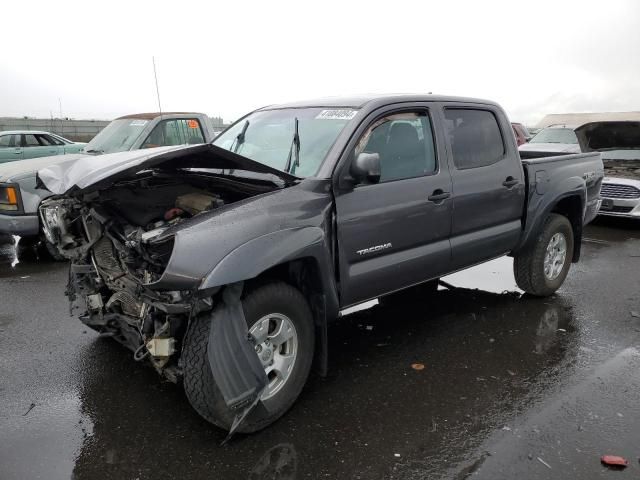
(300, 257)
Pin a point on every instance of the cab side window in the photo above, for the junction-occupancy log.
(405, 144)
(475, 137)
(175, 132)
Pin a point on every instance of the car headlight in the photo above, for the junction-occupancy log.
(50, 217)
(9, 198)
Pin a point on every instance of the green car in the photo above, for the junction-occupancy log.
(20, 145)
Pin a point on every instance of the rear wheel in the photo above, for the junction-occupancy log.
(280, 321)
(542, 268)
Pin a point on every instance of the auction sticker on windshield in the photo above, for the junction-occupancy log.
(138, 123)
(341, 114)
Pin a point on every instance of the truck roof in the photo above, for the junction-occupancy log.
(359, 101)
(152, 115)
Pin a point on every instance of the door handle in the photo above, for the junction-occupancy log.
(510, 182)
(18, 152)
(438, 195)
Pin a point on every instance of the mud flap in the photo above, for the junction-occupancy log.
(235, 366)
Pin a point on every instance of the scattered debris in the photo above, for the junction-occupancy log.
(31, 407)
(614, 461)
(544, 463)
(417, 366)
(382, 344)
(634, 314)
(563, 330)
(512, 373)
(369, 327)
(397, 455)
(508, 429)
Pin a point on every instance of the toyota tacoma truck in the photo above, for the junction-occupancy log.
(19, 197)
(222, 264)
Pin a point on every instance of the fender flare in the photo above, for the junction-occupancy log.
(254, 257)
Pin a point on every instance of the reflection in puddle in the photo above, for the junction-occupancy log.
(278, 463)
(495, 276)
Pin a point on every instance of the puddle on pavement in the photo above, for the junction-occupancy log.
(43, 441)
(484, 355)
(494, 276)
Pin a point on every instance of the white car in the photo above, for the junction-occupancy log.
(554, 138)
(619, 142)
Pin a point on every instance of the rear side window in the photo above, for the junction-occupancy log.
(474, 136)
(31, 141)
(52, 140)
(175, 132)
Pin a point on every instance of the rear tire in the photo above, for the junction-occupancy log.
(199, 385)
(542, 268)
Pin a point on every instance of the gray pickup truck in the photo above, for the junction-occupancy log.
(20, 199)
(222, 264)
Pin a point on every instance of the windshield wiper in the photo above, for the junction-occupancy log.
(93, 150)
(294, 151)
(239, 140)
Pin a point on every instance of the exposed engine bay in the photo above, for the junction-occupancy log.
(119, 242)
(622, 168)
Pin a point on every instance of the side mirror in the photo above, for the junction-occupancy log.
(365, 168)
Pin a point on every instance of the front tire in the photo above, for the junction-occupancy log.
(276, 313)
(542, 268)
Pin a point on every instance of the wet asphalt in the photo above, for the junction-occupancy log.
(512, 387)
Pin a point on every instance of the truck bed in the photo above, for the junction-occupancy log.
(552, 176)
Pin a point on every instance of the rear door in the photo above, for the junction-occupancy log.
(36, 145)
(394, 233)
(10, 148)
(488, 183)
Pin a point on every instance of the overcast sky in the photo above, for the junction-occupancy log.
(226, 58)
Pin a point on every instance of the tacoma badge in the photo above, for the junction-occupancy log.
(377, 248)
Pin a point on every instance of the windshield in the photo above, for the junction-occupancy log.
(268, 137)
(555, 135)
(118, 136)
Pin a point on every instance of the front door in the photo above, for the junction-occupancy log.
(10, 147)
(395, 233)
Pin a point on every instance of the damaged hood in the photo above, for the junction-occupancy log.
(15, 170)
(102, 171)
(607, 136)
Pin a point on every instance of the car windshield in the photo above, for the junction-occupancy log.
(268, 136)
(555, 135)
(118, 136)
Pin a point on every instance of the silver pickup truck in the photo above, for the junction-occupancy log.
(20, 198)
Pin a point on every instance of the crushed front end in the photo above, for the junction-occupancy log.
(113, 262)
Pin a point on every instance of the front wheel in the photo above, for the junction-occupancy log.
(280, 321)
(541, 269)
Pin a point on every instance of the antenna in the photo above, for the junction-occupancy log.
(155, 74)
